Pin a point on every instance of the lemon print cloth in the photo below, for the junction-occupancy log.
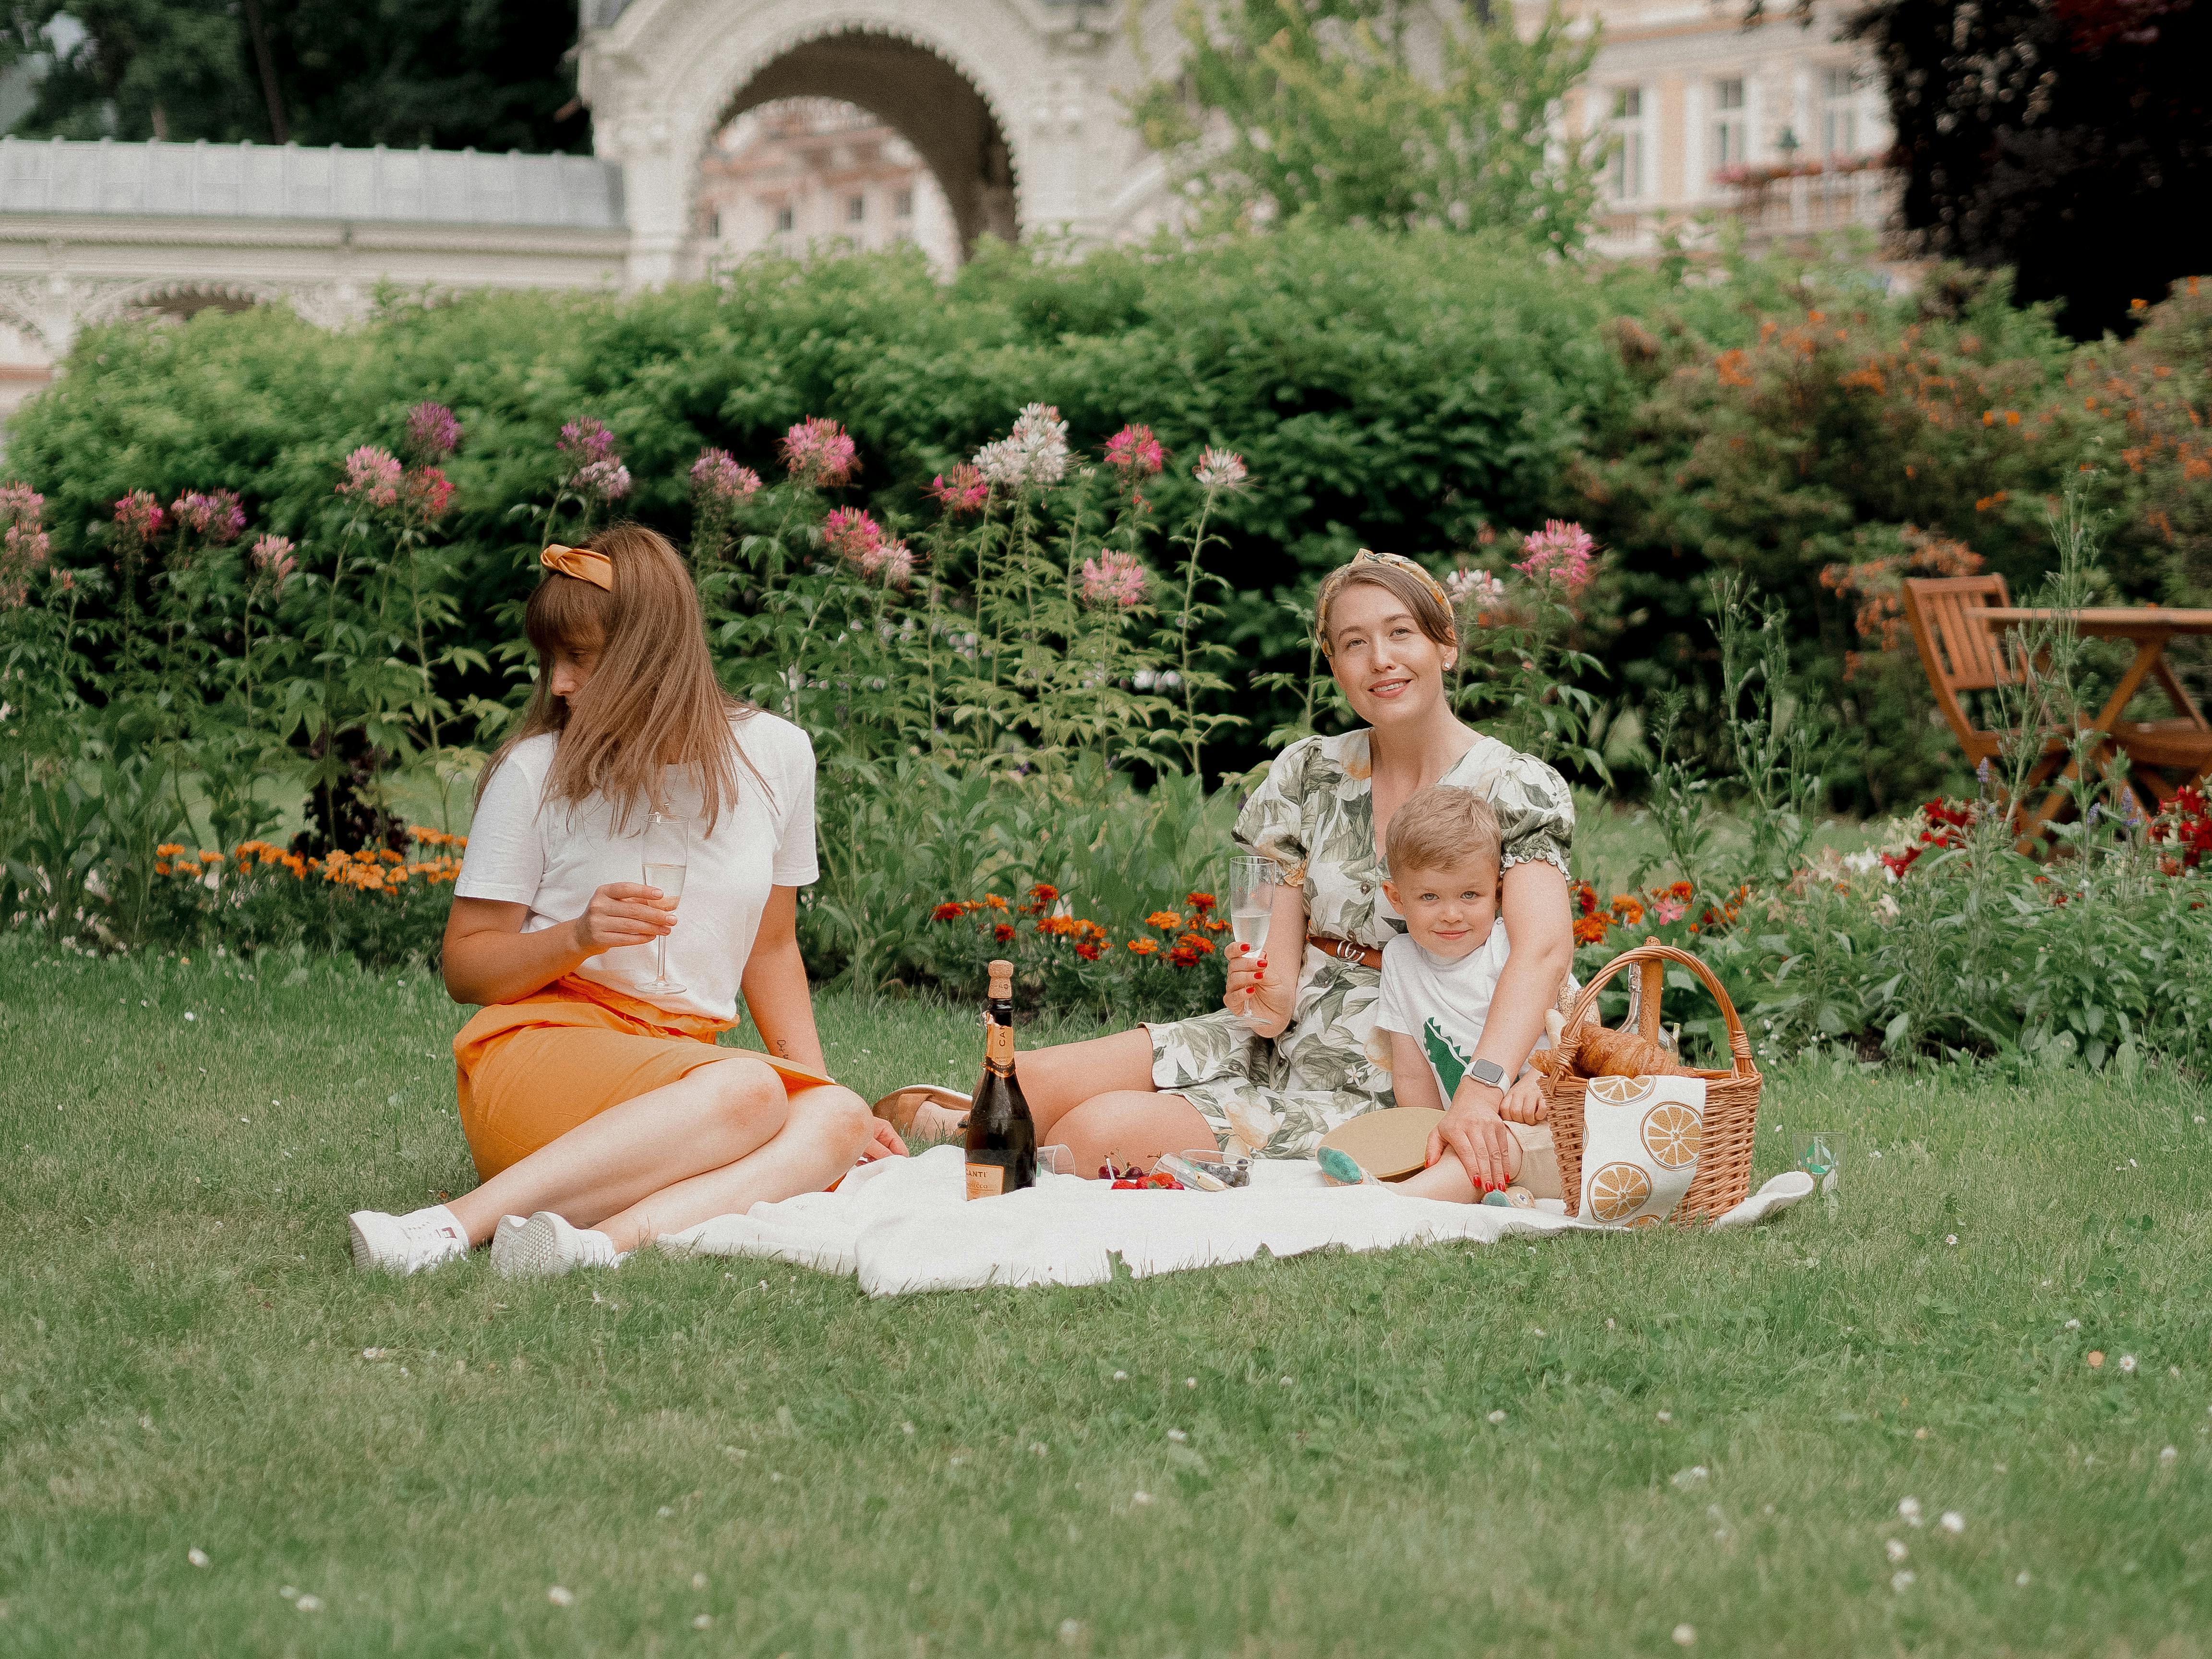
(1641, 1136)
(1313, 816)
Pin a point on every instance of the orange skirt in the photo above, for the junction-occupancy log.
(531, 1071)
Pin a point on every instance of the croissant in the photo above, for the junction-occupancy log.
(1600, 1053)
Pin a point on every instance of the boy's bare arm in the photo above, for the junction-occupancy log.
(1411, 1079)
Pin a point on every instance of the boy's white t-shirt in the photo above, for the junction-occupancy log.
(1441, 1004)
(553, 857)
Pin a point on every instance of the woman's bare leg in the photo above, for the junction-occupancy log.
(824, 1132)
(1057, 1079)
(1129, 1126)
(707, 1120)
(1446, 1178)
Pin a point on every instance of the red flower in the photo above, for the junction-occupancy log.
(1003, 931)
(948, 912)
(1183, 956)
(1200, 902)
(1586, 898)
(1088, 950)
(1590, 929)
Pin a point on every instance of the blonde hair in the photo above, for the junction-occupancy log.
(1442, 827)
(1421, 594)
(653, 701)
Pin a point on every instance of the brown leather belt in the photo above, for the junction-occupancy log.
(1344, 951)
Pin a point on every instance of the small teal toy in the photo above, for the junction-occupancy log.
(1342, 1169)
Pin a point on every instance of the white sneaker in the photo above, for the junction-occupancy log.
(546, 1246)
(502, 1238)
(410, 1244)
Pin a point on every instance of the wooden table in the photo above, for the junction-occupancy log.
(2183, 743)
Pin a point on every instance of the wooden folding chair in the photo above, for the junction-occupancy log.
(1964, 654)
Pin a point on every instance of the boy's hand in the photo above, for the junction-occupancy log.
(1478, 1137)
(1524, 1101)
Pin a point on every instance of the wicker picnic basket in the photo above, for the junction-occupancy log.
(1731, 1123)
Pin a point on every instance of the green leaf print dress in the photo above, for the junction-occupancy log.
(1314, 817)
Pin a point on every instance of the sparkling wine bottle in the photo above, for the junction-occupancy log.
(1001, 1134)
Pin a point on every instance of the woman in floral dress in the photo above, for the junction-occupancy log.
(1305, 1060)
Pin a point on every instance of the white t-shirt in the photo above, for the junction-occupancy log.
(553, 857)
(1441, 1004)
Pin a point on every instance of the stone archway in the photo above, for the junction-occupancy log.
(934, 106)
(1010, 102)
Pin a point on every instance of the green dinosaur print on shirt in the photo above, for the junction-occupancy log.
(1449, 1059)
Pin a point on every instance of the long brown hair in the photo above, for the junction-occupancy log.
(653, 701)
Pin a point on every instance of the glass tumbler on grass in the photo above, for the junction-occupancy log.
(665, 854)
(1251, 908)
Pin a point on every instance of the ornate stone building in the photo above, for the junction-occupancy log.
(1002, 117)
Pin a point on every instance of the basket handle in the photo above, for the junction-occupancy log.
(1651, 961)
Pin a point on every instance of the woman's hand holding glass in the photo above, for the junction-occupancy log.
(623, 913)
(1261, 999)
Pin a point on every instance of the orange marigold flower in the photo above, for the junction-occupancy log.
(1092, 931)
(1166, 921)
(1144, 947)
(1680, 890)
(1197, 944)
(207, 857)
(1002, 931)
(1590, 930)
(390, 857)
(161, 867)
(993, 902)
(168, 849)
(1044, 893)
(1088, 950)
(948, 912)
(1215, 925)
(1200, 902)
(1627, 909)
(1183, 956)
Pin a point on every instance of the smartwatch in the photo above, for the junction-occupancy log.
(1489, 1071)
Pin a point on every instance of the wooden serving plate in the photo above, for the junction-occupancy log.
(1389, 1145)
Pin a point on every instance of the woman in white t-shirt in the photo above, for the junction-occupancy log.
(601, 1110)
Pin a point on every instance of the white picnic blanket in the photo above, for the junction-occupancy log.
(906, 1224)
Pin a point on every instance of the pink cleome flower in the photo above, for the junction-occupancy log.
(1135, 454)
(214, 515)
(1560, 552)
(433, 433)
(371, 474)
(889, 562)
(1219, 469)
(138, 517)
(851, 533)
(586, 441)
(719, 483)
(24, 546)
(429, 492)
(272, 558)
(1117, 580)
(964, 490)
(818, 452)
(1475, 589)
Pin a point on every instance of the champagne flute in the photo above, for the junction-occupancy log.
(665, 855)
(1251, 908)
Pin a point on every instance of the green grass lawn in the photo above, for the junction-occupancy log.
(718, 1457)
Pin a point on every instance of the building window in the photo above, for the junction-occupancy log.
(783, 218)
(1731, 131)
(856, 210)
(1625, 173)
(1840, 113)
(902, 204)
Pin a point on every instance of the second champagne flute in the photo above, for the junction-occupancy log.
(1251, 908)
(666, 854)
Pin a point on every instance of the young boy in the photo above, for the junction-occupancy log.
(1438, 980)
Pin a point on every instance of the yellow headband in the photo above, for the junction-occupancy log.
(580, 562)
(1336, 579)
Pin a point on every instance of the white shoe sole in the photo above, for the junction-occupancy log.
(377, 1240)
(544, 1247)
(502, 1240)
